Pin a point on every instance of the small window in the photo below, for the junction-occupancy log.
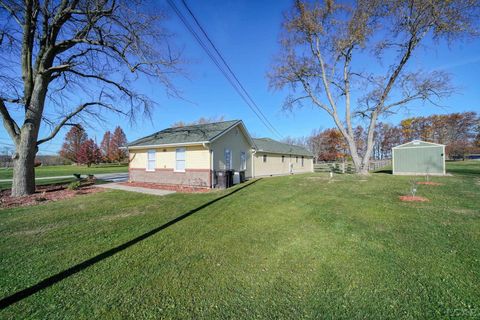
(264, 158)
(151, 160)
(302, 161)
(283, 158)
(180, 159)
(296, 159)
(243, 161)
(228, 159)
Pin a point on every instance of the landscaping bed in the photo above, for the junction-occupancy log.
(413, 199)
(430, 183)
(183, 189)
(45, 193)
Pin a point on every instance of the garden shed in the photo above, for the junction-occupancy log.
(419, 158)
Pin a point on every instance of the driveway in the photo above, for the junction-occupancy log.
(117, 186)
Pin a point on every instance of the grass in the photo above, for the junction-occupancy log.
(7, 185)
(284, 247)
(67, 170)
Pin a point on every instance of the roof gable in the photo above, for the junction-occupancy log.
(184, 135)
(418, 143)
(273, 146)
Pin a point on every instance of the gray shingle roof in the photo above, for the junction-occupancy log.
(187, 134)
(269, 145)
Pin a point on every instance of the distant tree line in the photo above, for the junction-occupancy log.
(460, 132)
(80, 149)
(201, 120)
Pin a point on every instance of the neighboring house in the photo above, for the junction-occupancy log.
(190, 155)
(418, 158)
(276, 158)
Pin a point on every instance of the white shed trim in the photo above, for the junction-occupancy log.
(433, 144)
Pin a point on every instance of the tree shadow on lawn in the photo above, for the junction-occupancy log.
(384, 171)
(20, 295)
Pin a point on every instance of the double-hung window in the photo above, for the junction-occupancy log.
(243, 160)
(302, 160)
(180, 160)
(228, 159)
(264, 158)
(151, 160)
(283, 159)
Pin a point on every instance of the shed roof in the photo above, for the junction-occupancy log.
(185, 135)
(272, 146)
(418, 143)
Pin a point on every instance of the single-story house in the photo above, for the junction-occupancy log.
(191, 155)
(418, 158)
(276, 158)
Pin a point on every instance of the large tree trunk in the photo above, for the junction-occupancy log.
(26, 147)
(24, 164)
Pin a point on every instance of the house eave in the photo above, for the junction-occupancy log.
(200, 143)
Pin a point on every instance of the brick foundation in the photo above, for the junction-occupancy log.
(191, 177)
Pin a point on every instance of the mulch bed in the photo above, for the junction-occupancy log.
(184, 189)
(413, 199)
(430, 183)
(45, 194)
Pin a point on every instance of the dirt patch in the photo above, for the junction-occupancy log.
(37, 231)
(413, 199)
(121, 215)
(44, 194)
(465, 211)
(184, 189)
(430, 183)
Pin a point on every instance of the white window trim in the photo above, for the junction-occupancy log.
(243, 162)
(154, 160)
(184, 160)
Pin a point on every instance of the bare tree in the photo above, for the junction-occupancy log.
(64, 62)
(201, 120)
(323, 52)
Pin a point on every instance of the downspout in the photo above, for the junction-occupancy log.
(204, 144)
(128, 153)
(253, 162)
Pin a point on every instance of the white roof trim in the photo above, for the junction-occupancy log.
(245, 132)
(435, 144)
(169, 145)
(239, 123)
(284, 154)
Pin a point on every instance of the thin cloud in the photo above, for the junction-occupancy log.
(458, 64)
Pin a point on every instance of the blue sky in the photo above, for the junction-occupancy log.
(246, 32)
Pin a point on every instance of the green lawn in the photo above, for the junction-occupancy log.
(285, 247)
(8, 185)
(52, 171)
(68, 170)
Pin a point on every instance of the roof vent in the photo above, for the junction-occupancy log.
(416, 142)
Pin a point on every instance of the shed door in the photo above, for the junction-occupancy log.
(421, 160)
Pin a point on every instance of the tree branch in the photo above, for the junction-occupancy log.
(9, 124)
(72, 114)
(11, 11)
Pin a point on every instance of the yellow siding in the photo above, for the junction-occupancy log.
(236, 141)
(138, 159)
(275, 166)
(196, 157)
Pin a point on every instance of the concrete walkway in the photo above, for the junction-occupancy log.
(114, 177)
(116, 186)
